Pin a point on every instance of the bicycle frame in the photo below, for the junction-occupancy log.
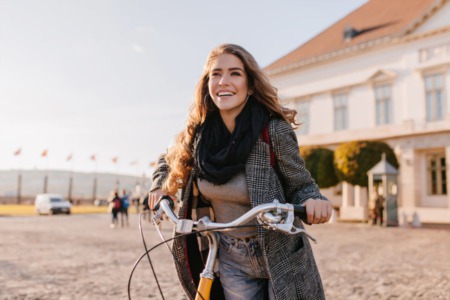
(274, 216)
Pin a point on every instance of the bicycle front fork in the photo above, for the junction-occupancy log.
(207, 276)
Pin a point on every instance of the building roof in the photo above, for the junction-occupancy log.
(383, 167)
(375, 20)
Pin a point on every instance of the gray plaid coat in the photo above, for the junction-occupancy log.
(292, 269)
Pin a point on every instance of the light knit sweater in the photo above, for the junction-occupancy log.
(229, 201)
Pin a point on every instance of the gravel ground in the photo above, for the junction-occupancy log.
(80, 257)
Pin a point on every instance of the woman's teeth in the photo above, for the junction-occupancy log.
(225, 94)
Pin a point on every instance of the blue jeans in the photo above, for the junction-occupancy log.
(243, 272)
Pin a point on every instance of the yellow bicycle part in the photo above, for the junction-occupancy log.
(204, 289)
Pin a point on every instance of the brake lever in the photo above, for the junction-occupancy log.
(295, 230)
(158, 211)
(287, 226)
(156, 219)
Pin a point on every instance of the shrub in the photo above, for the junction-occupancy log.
(319, 162)
(352, 160)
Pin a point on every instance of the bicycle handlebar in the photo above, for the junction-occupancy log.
(165, 205)
(300, 211)
(270, 215)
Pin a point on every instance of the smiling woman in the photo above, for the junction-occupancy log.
(223, 163)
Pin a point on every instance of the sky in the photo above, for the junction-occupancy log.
(115, 78)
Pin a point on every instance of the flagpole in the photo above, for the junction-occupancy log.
(137, 172)
(19, 188)
(44, 155)
(94, 189)
(137, 164)
(143, 182)
(69, 194)
(115, 161)
(19, 177)
(117, 178)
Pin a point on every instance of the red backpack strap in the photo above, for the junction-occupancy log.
(266, 139)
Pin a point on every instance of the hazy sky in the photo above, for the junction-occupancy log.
(115, 77)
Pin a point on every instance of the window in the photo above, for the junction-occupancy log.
(340, 111)
(303, 116)
(434, 96)
(436, 173)
(383, 104)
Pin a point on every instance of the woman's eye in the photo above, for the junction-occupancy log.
(236, 74)
(215, 74)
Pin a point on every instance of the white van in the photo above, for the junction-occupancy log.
(51, 204)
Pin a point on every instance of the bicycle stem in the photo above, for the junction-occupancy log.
(208, 271)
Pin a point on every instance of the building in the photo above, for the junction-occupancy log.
(78, 186)
(380, 73)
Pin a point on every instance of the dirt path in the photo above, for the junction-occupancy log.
(80, 257)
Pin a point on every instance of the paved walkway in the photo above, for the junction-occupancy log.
(80, 257)
(358, 261)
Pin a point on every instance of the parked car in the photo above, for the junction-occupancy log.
(51, 204)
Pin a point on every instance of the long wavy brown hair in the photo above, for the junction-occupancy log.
(179, 156)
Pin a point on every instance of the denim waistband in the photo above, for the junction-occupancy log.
(235, 240)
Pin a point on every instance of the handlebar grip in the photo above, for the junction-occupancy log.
(165, 197)
(300, 211)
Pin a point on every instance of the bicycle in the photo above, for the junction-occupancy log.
(273, 216)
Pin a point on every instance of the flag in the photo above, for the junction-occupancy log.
(69, 157)
(18, 152)
(114, 160)
(134, 163)
(93, 157)
(44, 153)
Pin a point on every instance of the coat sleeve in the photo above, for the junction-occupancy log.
(297, 182)
(160, 173)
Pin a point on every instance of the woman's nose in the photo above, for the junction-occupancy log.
(223, 80)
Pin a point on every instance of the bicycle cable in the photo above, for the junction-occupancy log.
(160, 234)
(148, 256)
(194, 232)
(147, 251)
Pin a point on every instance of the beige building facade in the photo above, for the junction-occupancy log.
(381, 73)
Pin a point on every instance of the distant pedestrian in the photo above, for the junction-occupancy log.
(145, 208)
(378, 208)
(137, 202)
(116, 208)
(124, 208)
(145, 203)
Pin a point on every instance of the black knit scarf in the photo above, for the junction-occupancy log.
(221, 154)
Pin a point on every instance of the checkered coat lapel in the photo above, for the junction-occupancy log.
(292, 269)
(257, 169)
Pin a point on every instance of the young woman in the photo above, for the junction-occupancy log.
(223, 162)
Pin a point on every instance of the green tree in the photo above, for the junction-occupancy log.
(352, 160)
(319, 162)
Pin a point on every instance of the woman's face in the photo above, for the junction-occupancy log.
(228, 85)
